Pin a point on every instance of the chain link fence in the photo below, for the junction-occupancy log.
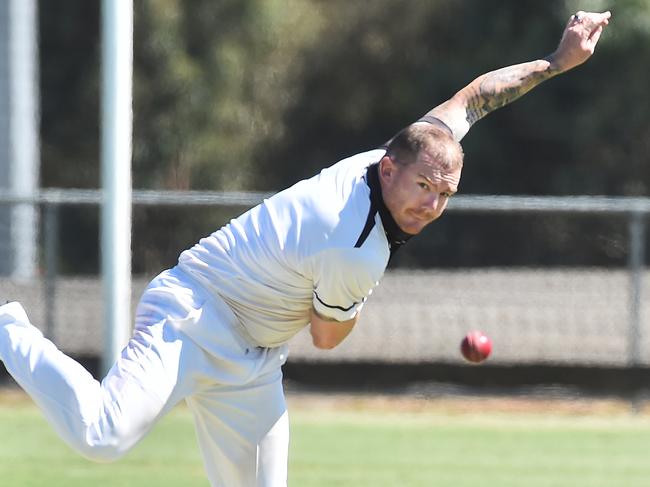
(534, 314)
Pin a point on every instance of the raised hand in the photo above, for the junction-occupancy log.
(579, 39)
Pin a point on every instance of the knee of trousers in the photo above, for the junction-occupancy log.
(101, 452)
(103, 444)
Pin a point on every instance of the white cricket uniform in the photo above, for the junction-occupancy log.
(213, 330)
(296, 250)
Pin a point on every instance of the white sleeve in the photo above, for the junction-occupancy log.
(343, 280)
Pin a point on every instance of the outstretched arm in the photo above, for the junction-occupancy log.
(496, 89)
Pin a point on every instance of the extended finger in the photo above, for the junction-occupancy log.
(597, 17)
(589, 20)
(599, 24)
(593, 20)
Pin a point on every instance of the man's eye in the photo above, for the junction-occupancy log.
(447, 194)
(423, 185)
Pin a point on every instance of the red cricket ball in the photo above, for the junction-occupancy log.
(476, 346)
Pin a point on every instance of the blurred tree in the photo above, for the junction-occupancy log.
(69, 67)
(69, 73)
(257, 94)
(211, 80)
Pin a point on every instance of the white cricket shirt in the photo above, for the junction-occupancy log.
(319, 243)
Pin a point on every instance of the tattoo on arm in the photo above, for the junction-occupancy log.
(490, 92)
(503, 86)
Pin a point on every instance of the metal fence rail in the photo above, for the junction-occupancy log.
(465, 203)
(628, 331)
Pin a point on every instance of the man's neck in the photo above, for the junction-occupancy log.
(395, 235)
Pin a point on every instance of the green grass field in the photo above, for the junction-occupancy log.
(368, 442)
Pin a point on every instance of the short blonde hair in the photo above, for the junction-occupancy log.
(405, 147)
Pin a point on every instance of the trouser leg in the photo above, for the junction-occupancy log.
(273, 454)
(243, 432)
(100, 421)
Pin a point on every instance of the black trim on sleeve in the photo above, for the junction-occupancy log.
(428, 119)
(437, 122)
(334, 307)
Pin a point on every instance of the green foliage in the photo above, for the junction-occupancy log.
(69, 71)
(211, 83)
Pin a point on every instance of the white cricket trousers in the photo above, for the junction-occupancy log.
(186, 345)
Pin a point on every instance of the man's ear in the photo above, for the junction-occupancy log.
(386, 168)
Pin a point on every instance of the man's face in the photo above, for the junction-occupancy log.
(416, 194)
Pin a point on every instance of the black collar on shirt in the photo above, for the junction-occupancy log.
(395, 235)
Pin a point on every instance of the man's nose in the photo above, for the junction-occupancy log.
(432, 201)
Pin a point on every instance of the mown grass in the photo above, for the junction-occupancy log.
(339, 444)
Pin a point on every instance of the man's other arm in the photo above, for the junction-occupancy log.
(327, 333)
